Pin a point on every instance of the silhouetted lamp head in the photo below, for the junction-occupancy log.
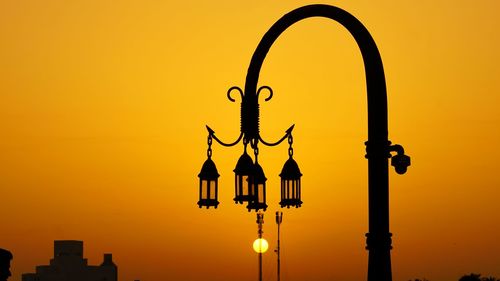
(208, 184)
(257, 189)
(242, 173)
(400, 163)
(290, 184)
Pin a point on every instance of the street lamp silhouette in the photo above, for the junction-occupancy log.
(209, 184)
(378, 146)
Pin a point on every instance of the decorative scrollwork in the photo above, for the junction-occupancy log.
(234, 88)
(266, 88)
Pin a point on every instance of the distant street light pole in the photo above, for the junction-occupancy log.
(260, 221)
(260, 245)
(250, 181)
(279, 220)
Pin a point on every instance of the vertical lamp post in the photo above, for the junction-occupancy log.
(249, 176)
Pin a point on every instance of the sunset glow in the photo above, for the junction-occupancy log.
(103, 107)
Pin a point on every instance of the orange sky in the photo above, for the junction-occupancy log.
(102, 113)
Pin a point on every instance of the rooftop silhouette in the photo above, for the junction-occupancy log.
(68, 264)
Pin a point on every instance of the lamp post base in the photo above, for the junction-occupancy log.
(379, 256)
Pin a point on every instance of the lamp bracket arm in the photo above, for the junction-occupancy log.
(397, 148)
(287, 133)
(400, 161)
(212, 133)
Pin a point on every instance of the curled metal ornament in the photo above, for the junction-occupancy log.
(234, 88)
(266, 88)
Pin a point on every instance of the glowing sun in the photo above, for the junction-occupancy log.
(260, 245)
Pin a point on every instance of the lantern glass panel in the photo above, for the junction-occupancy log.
(245, 185)
(212, 190)
(288, 191)
(242, 186)
(204, 189)
(282, 189)
(298, 188)
(260, 193)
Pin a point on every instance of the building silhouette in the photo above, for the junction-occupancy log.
(68, 264)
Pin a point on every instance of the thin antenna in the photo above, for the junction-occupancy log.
(279, 220)
(260, 221)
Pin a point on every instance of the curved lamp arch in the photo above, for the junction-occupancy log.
(378, 147)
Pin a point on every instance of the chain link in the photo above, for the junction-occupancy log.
(290, 142)
(253, 144)
(245, 143)
(256, 151)
(209, 142)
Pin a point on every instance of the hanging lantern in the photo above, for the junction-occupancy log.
(242, 173)
(257, 189)
(290, 184)
(208, 184)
